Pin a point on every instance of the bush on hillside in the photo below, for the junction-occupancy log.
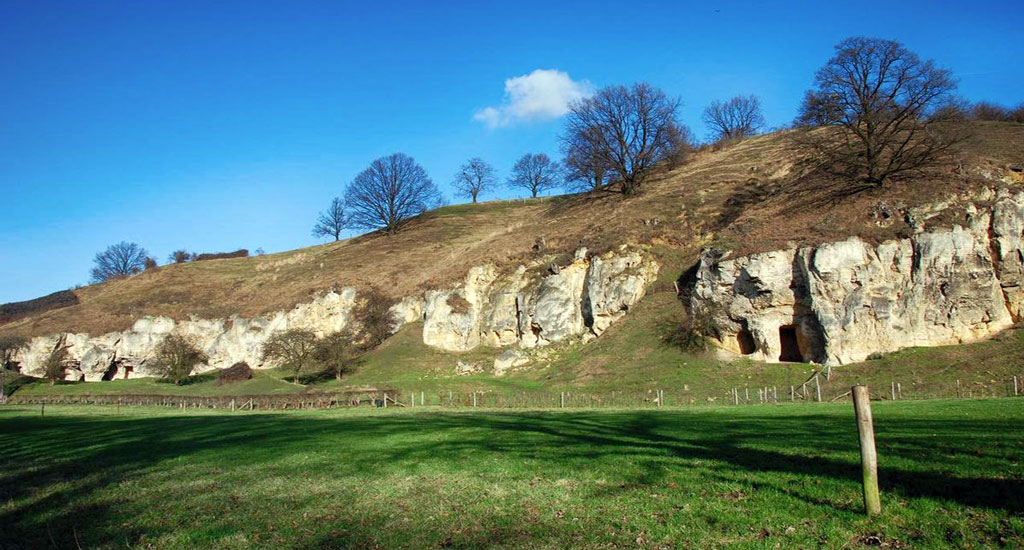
(16, 310)
(242, 253)
(239, 372)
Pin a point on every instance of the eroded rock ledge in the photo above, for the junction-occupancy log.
(841, 302)
(532, 305)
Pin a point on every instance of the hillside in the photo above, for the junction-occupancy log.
(750, 196)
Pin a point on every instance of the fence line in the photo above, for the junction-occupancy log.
(811, 390)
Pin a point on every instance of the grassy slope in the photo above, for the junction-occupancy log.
(741, 196)
(746, 477)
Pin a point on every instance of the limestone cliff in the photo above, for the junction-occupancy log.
(534, 306)
(521, 307)
(840, 302)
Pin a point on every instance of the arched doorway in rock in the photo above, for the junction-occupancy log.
(789, 345)
(745, 341)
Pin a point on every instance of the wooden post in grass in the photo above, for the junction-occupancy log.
(868, 455)
(892, 390)
(899, 391)
(958, 395)
(474, 398)
(746, 393)
(792, 393)
(817, 386)
(232, 404)
(561, 400)
(735, 396)
(421, 398)
(1015, 390)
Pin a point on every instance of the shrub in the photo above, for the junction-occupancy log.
(180, 256)
(373, 314)
(241, 253)
(150, 263)
(239, 372)
(55, 365)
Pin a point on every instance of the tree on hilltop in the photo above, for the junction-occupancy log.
(119, 260)
(390, 192)
(331, 221)
(473, 178)
(736, 118)
(536, 173)
(885, 104)
(626, 131)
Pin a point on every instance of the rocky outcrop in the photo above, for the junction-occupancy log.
(225, 341)
(840, 302)
(519, 307)
(537, 304)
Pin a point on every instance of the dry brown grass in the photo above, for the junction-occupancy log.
(746, 196)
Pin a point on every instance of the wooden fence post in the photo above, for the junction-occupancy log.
(561, 400)
(958, 394)
(746, 392)
(899, 391)
(735, 396)
(868, 454)
(1015, 390)
(892, 390)
(474, 398)
(421, 398)
(792, 393)
(817, 386)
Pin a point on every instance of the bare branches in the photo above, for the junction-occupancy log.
(736, 118)
(331, 221)
(177, 356)
(885, 101)
(392, 190)
(625, 131)
(536, 173)
(119, 260)
(473, 178)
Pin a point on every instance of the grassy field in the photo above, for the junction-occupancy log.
(722, 477)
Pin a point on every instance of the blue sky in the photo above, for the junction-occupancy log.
(214, 126)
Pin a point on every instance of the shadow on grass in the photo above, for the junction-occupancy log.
(62, 468)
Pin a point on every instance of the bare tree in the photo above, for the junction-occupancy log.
(536, 173)
(736, 118)
(585, 168)
(338, 352)
(474, 177)
(119, 260)
(292, 350)
(392, 190)
(884, 100)
(373, 314)
(628, 130)
(331, 221)
(177, 356)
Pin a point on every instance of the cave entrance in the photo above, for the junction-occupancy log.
(127, 371)
(789, 345)
(745, 340)
(111, 372)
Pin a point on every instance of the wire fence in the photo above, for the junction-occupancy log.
(816, 389)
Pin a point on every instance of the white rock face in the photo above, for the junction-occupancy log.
(840, 302)
(226, 342)
(533, 307)
(489, 308)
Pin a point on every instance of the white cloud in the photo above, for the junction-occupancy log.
(541, 95)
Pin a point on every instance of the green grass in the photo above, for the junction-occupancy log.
(721, 477)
